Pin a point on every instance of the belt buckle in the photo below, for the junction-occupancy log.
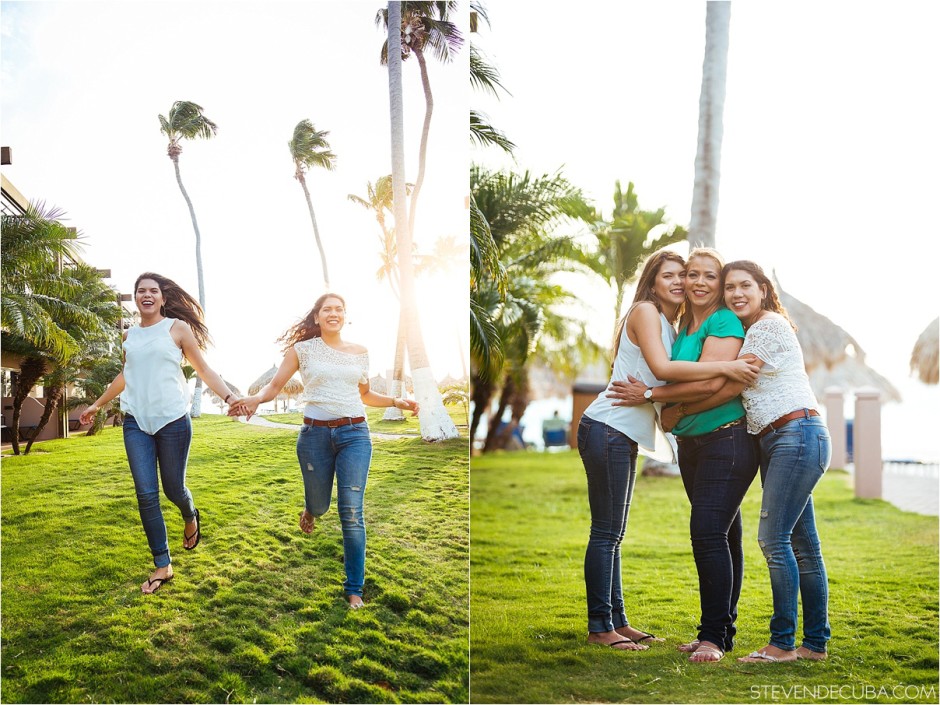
(336, 423)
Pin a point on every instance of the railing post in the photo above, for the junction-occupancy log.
(834, 401)
(866, 436)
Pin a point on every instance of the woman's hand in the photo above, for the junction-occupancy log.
(245, 406)
(627, 393)
(742, 371)
(406, 405)
(670, 416)
(88, 415)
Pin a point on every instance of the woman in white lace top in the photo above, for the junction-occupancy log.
(334, 441)
(795, 452)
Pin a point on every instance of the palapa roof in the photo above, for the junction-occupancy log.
(293, 387)
(833, 358)
(924, 355)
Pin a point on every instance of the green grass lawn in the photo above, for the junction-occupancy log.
(256, 613)
(529, 530)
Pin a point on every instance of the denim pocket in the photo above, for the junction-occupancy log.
(825, 451)
(583, 429)
(305, 428)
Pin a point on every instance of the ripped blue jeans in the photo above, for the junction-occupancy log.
(344, 453)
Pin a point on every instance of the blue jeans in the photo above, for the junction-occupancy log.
(609, 459)
(344, 452)
(793, 459)
(717, 468)
(168, 448)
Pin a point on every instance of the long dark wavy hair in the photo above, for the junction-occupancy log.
(771, 302)
(644, 292)
(177, 303)
(307, 328)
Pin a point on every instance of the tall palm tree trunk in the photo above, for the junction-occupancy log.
(425, 131)
(397, 378)
(196, 410)
(710, 125)
(316, 230)
(436, 424)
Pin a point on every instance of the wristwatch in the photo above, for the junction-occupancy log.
(648, 394)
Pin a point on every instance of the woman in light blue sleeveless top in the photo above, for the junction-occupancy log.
(155, 399)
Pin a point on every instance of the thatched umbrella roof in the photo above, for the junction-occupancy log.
(291, 389)
(831, 355)
(924, 356)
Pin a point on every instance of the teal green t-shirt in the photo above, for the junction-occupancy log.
(721, 324)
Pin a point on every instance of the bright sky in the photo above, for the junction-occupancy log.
(830, 153)
(83, 83)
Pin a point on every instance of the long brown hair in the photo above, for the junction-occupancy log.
(177, 303)
(715, 256)
(644, 292)
(307, 328)
(771, 302)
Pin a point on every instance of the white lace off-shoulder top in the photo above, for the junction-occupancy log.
(782, 385)
(331, 377)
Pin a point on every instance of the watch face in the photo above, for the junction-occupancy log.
(648, 394)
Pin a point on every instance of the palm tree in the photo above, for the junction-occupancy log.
(379, 200)
(34, 294)
(89, 320)
(436, 424)
(624, 242)
(484, 254)
(710, 126)
(424, 26)
(309, 148)
(485, 77)
(186, 121)
(522, 213)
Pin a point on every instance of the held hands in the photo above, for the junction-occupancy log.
(244, 406)
(627, 393)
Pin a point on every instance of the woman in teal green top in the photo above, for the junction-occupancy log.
(718, 459)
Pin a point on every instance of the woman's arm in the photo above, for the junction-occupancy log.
(727, 392)
(249, 405)
(184, 337)
(645, 326)
(115, 388)
(370, 398)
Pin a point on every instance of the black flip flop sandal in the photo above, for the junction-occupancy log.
(198, 535)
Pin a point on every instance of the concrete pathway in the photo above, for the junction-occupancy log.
(261, 421)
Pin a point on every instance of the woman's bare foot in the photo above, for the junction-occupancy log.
(769, 654)
(706, 652)
(690, 647)
(156, 579)
(306, 522)
(640, 637)
(810, 655)
(355, 602)
(615, 641)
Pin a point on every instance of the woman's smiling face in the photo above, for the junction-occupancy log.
(703, 282)
(148, 297)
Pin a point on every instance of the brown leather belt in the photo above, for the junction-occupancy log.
(335, 423)
(787, 418)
